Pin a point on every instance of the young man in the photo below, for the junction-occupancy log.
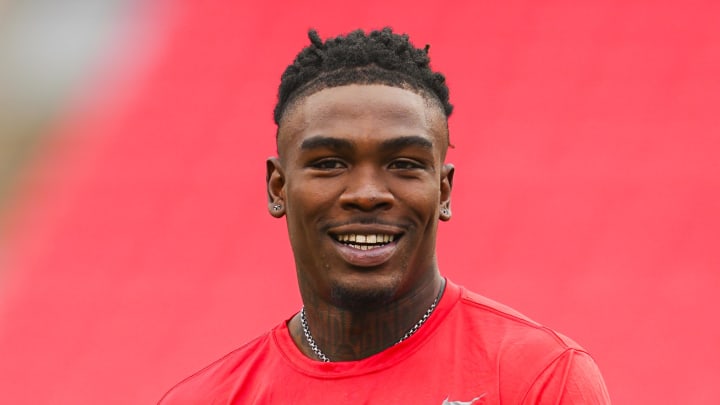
(362, 182)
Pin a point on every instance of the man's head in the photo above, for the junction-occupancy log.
(360, 175)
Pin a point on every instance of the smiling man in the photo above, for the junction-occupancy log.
(362, 182)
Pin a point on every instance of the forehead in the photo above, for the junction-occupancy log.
(361, 111)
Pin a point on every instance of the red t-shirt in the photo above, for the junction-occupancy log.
(471, 350)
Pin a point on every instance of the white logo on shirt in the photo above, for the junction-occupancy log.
(470, 402)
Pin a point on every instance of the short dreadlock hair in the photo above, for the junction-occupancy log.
(380, 57)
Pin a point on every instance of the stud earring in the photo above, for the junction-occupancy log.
(276, 207)
(445, 211)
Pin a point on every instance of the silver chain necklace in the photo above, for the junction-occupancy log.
(319, 353)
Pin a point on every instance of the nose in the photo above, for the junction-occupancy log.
(366, 189)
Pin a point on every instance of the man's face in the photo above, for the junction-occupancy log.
(362, 181)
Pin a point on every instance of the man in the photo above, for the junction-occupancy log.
(362, 182)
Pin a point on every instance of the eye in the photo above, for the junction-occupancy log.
(405, 164)
(328, 164)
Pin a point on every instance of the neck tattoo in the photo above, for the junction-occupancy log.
(319, 353)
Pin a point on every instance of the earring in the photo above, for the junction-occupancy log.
(445, 211)
(276, 207)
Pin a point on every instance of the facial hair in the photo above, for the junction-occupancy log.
(359, 299)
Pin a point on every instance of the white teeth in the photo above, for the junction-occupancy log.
(368, 238)
(363, 247)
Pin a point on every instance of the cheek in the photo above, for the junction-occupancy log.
(422, 198)
(304, 192)
(305, 200)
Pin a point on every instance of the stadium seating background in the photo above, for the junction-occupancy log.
(586, 193)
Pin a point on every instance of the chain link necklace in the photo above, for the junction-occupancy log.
(319, 353)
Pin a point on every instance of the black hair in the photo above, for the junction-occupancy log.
(380, 57)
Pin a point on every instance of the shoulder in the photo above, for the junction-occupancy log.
(512, 324)
(573, 378)
(537, 363)
(215, 379)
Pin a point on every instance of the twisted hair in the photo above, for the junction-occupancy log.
(380, 57)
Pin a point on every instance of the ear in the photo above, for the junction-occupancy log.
(275, 179)
(446, 183)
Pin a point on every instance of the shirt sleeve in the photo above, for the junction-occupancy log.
(573, 378)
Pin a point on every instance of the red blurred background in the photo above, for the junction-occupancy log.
(137, 246)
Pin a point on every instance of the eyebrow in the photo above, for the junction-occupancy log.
(338, 144)
(327, 142)
(406, 141)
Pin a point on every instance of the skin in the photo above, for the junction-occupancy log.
(362, 159)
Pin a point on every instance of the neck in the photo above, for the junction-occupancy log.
(346, 335)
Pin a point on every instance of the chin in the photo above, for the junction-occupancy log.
(361, 298)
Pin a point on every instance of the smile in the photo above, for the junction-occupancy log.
(365, 241)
